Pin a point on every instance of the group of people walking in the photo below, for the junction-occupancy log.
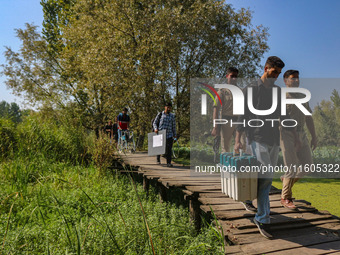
(164, 120)
(114, 130)
(265, 141)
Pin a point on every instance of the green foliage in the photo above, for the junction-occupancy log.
(51, 203)
(56, 15)
(103, 152)
(46, 138)
(94, 57)
(10, 111)
(62, 208)
(8, 138)
(327, 121)
(326, 155)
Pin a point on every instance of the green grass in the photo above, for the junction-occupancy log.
(57, 196)
(182, 161)
(58, 208)
(324, 194)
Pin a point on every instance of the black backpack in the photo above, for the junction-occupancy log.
(153, 120)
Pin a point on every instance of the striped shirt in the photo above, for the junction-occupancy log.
(166, 121)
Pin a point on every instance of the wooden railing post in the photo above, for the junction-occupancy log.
(195, 211)
(163, 195)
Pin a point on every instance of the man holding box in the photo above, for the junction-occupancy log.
(264, 140)
(166, 120)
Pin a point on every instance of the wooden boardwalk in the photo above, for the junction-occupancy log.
(304, 231)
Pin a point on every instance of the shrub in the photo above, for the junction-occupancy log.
(8, 140)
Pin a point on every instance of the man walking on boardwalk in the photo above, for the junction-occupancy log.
(265, 139)
(123, 121)
(293, 158)
(166, 120)
(225, 111)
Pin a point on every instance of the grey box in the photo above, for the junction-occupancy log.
(157, 143)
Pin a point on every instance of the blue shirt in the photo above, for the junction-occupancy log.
(166, 121)
(123, 121)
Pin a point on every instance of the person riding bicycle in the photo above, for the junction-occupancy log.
(123, 121)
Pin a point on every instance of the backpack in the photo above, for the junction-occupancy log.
(153, 120)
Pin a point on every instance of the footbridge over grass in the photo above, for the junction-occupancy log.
(303, 231)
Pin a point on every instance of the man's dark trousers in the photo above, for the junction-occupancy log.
(168, 151)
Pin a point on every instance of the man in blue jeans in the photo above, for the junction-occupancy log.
(264, 140)
(166, 120)
(123, 121)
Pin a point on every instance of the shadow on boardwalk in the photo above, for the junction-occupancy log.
(302, 231)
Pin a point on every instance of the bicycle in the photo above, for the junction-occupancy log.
(126, 142)
(175, 149)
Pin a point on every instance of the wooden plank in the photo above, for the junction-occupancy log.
(193, 182)
(234, 249)
(281, 219)
(320, 224)
(324, 248)
(166, 174)
(157, 175)
(283, 234)
(288, 243)
(237, 206)
(162, 171)
(245, 214)
(215, 201)
(187, 183)
(288, 226)
(212, 195)
(192, 178)
(245, 239)
(198, 189)
(218, 201)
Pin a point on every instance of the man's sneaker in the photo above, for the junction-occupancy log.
(263, 228)
(169, 165)
(158, 163)
(249, 207)
(288, 203)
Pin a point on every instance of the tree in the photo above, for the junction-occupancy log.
(10, 111)
(139, 54)
(327, 120)
(56, 16)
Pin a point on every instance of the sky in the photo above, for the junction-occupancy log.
(14, 14)
(305, 34)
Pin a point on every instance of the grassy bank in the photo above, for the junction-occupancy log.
(324, 194)
(57, 196)
(65, 209)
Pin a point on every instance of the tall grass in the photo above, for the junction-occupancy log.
(73, 209)
(8, 139)
(55, 200)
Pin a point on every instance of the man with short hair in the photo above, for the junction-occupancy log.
(291, 156)
(166, 120)
(225, 111)
(123, 120)
(264, 140)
